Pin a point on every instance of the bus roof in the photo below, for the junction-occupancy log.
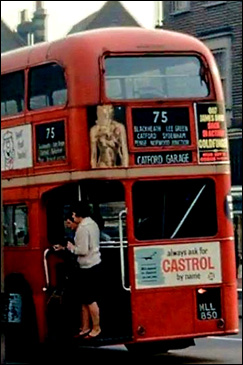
(98, 41)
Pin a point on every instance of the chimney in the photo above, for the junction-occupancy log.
(158, 14)
(39, 22)
(39, 4)
(24, 29)
(24, 16)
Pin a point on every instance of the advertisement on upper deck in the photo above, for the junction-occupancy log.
(108, 137)
(177, 265)
(16, 148)
(211, 133)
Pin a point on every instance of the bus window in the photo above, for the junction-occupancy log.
(154, 77)
(106, 215)
(174, 209)
(106, 200)
(47, 86)
(12, 93)
(15, 227)
(110, 227)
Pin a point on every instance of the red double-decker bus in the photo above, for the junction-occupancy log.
(132, 121)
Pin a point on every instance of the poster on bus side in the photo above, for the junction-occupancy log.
(212, 141)
(16, 148)
(177, 265)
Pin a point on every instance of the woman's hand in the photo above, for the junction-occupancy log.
(70, 246)
(58, 247)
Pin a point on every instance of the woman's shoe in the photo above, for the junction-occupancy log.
(82, 334)
(90, 336)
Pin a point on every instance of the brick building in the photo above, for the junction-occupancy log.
(219, 25)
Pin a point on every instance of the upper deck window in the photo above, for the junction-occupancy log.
(153, 77)
(47, 86)
(12, 93)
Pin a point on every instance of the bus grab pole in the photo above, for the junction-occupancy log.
(122, 250)
(46, 270)
(188, 211)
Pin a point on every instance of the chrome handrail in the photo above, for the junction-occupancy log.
(122, 212)
(46, 270)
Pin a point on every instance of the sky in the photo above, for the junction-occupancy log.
(62, 15)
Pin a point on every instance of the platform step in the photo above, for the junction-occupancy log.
(102, 341)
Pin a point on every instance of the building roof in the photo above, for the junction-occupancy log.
(112, 14)
(10, 39)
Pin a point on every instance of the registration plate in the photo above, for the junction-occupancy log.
(208, 304)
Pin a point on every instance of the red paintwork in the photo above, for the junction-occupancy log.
(163, 316)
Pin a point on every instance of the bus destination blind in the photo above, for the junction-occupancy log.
(161, 127)
(50, 142)
(163, 158)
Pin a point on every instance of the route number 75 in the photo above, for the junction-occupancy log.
(162, 114)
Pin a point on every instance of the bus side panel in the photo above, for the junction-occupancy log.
(228, 260)
(29, 263)
(40, 305)
(163, 313)
(230, 303)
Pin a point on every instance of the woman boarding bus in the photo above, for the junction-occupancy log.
(131, 121)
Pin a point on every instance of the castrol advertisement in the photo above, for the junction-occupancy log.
(177, 265)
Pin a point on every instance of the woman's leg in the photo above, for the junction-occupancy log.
(85, 319)
(95, 317)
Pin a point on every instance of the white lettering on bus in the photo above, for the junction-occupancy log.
(145, 128)
(149, 160)
(181, 128)
(160, 143)
(146, 136)
(174, 135)
(175, 158)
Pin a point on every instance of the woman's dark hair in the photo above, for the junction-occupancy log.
(81, 209)
(69, 216)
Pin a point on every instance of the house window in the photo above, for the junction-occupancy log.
(213, 3)
(15, 225)
(179, 6)
(220, 56)
(221, 49)
(236, 161)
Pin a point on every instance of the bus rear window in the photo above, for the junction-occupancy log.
(12, 93)
(143, 77)
(47, 86)
(174, 209)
